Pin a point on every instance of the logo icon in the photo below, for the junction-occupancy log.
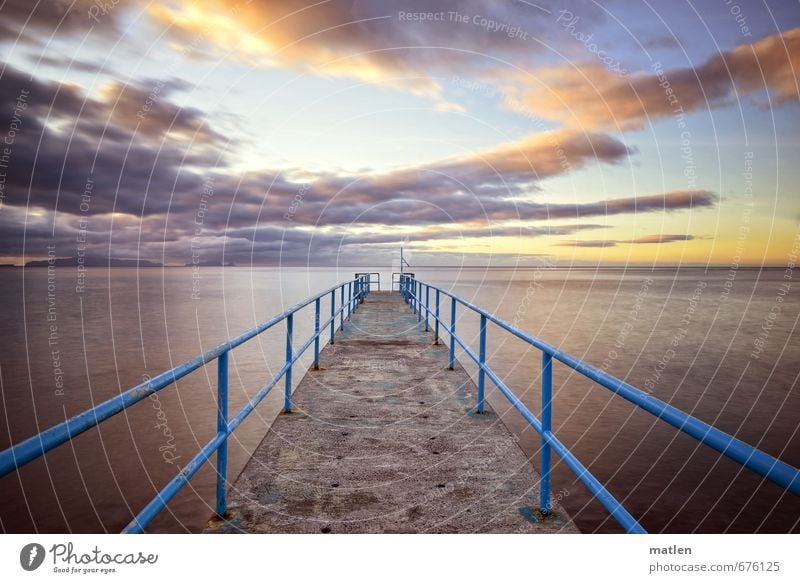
(31, 556)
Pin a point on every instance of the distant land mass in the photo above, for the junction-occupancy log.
(89, 261)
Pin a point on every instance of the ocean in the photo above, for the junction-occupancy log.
(718, 343)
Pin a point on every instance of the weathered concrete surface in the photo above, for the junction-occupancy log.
(383, 439)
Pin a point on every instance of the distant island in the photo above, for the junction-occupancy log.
(93, 262)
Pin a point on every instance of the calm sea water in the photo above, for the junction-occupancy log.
(720, 345)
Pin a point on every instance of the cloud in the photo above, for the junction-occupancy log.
(144, 106)
(668, 201)
(66, 139)
(242, 235)
(140, 105)
(381, 42)
(541, 155)
(590, 96)
(162, 188)
(650, 239)
(155, 238)
(431, 203)
(448, 207)
(588, 244)
(374, 41)
(490, 185)
(147, 155)
(37, 22)
(644, 240)
(63, 63)
(344, 237)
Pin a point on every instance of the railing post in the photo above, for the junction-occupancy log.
(316, 333)
(436, 325)
(482, 360)
(349, 299)
(222, 427)
(333, 315)
(427, 304)
(419, 301)
(452, 333)
(547, 422)
(287, 393)
(341, 315)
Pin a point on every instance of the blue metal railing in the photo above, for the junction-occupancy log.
(18, 455)
(370, 279)
(776, 471)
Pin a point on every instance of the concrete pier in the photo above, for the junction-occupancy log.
(384, 438)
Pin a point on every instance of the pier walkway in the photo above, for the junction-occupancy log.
(384, 438)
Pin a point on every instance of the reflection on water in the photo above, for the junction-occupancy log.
(721, 349)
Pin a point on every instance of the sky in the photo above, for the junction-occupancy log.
(333, 132)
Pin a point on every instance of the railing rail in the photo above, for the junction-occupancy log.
(20, 454)
(370, 279)
(778, 472)
(396, 276)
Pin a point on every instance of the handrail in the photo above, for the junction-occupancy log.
(370, 281)
(396, 281)
(20, 454)
(778, 472)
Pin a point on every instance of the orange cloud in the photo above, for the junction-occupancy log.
(328, 38)
(541, 155)
(591, 96)
(497, 174)
(375, 41)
